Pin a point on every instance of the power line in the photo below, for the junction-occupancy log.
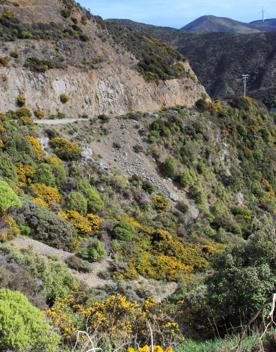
(245, 78)
(263, 15)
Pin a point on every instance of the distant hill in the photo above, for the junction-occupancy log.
(219, 59)
(268, 25)
(207, 24)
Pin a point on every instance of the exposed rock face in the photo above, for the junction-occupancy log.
(96, 74)
(105, 91)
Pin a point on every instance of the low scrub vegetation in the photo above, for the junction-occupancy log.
(221, 261)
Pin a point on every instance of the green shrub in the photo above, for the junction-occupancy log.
(21, 100)
(8, 198)
(78, 264)
(56, 279)
(169, 168)
(24, 327)
(93, 251)
(187, 178)
(64, 98)
(244, 278)
(8, 14)
(43, 174)
(202, 105)
(183, 207)
(4, 61)
(7, 168)
(104, 118)
(66, 13)
(95, 202)
(46, 226)
(148, 187)
(14, 54)
(39, 114)
(195, 192)
(124, 231)
(138, 149)
(26, 34)
(65, 150)
(19, 149)
(37, 65)
(60, 174)
(76, 201)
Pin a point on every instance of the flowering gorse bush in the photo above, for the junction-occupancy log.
(114, 320)
(48, 194)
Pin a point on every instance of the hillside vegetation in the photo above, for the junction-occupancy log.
(222, 157)
(136, 214)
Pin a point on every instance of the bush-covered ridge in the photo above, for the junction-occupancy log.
(156, 61)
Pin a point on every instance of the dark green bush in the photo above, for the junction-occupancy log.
(66, 13)
(78, 264)
(95, 202)
(19, 149)
(124, 231)
(64, 98)
(202, 105)
(76, 201)
(148, 186)
(244, 278)
(183, 207)
(7, 168)
(44, 174)
(65, 149)
(60, 174)
(93, 251)
(169, 168)
(46, 226)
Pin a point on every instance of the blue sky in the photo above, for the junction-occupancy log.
(177, 13)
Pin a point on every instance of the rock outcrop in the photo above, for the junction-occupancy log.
(60, 49)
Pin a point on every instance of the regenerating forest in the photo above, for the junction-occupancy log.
(145, 231)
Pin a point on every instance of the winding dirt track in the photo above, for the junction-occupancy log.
(91, 280)
(56, 122)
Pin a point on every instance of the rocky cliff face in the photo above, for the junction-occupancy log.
(105, 91)
(58, 49)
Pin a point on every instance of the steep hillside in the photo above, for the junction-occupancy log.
(227, 56)
(64, 61)
(207, 24)
(125, 230)
(124, 216)
(165, 34)
(220, 59)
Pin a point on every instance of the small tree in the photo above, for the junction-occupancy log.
(245, 278)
